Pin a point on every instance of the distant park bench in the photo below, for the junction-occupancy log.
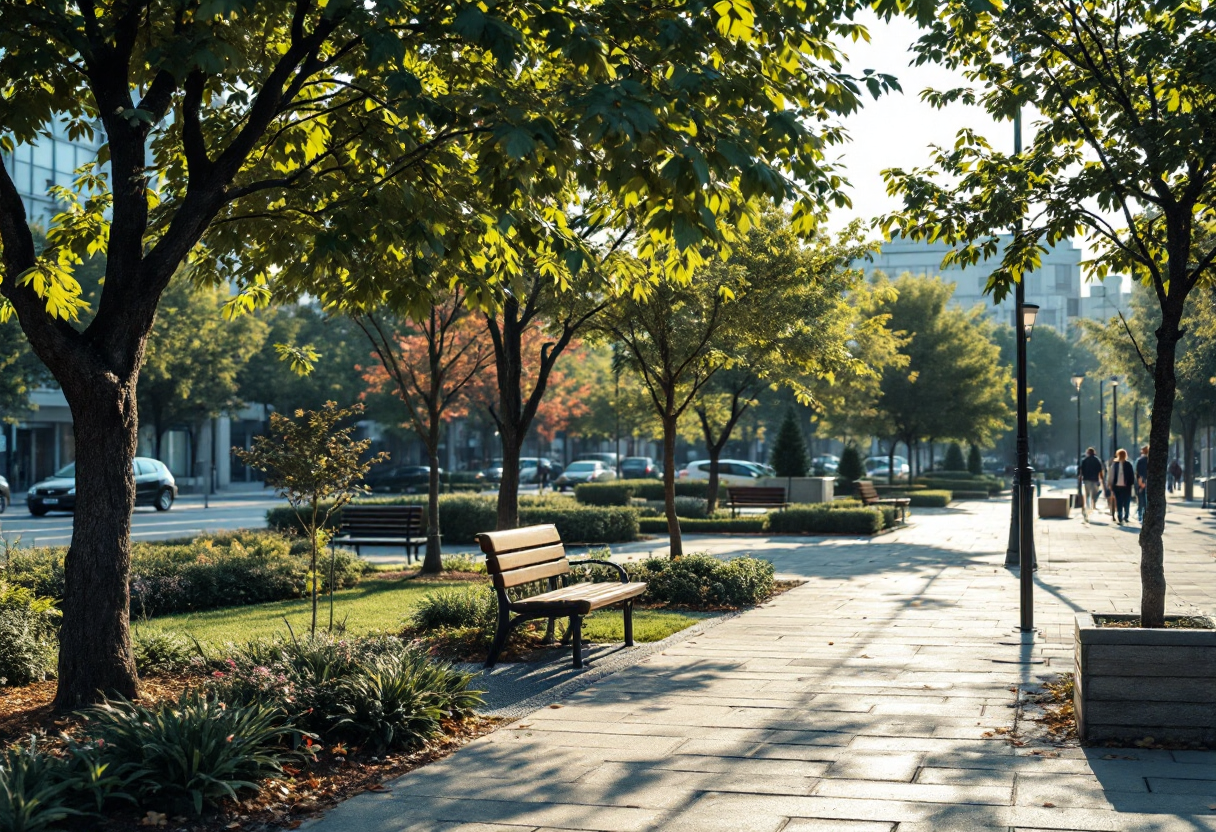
(535, 553)
(753, 496)
(382, 526)
(869, 496)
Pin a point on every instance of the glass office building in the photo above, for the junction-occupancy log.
(52, 161)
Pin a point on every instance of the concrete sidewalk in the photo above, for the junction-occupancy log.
(866, 700)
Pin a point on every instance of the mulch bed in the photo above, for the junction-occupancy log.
(1186, 623)
(338, 773)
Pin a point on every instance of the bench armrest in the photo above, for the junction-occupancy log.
(616, 566)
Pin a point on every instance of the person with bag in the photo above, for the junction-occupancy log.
(1120, 480)
(1091, 474)
(1175, 475)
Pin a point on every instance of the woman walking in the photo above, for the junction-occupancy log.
(1122, 476)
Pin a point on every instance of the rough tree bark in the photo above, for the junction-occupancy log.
(1152, 548)
(669, 485)
(715, 445)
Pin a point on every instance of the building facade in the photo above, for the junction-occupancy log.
(1055, 286)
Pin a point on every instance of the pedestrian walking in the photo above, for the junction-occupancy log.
(1091, 474)
(1174, 480)
(1120, 480)
(1141, 484)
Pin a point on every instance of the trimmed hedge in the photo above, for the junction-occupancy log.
(971, 495)
(696, 580)
(820, 519)
(653, 489)
(209, 572)
(930, 499)
(463, 516)
(712, 525)
(939, 482)
(604, 493)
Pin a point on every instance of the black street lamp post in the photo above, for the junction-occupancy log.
(1114, 415)
(1077, 378)
(1026, 313)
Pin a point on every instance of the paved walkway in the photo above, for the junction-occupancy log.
(863, 701)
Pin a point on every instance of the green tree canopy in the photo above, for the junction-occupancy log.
(1126, 128)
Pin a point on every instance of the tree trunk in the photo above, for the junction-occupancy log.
(931, 460)
(711, 493)
(432, 562)
(508, 488)
(1152, 549)
(1189, 426)
(891, 462)
(669, 486)
(95, 657)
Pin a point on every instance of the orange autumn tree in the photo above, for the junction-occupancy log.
(429, 365)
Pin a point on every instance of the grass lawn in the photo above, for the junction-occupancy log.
(379, 604)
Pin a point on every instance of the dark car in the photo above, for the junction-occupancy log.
(154, 486)
(639, 468)
(400, 479)
(6, 496)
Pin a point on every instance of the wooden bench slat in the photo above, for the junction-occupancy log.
(527, 557)
(528, 574)
(589, 597)
(512, 540)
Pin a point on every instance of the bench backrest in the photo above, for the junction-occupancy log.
(756, 494)
(521, 556)
(867, 492)
(381, 520)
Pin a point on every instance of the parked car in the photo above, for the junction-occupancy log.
(529, 468)
(640, 468)
(154, 486)
(6, 495)
(609, 459)
(584, 470)
(730, 471)
(877, 467)
(825, 465)
(400, 479)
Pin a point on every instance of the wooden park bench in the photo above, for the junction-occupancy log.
(535, 553)
(382, 526)
(869, 496)
(753, 496)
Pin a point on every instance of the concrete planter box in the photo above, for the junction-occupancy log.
(802, 489)
(1133, 683)
(1055, 507)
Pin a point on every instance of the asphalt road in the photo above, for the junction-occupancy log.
(187, 517)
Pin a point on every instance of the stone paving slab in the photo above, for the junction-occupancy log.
(864, 700)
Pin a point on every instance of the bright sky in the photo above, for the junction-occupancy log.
(896, 130)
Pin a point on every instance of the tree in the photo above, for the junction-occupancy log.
(954, 458)
(336, 348)
(309, 460)
(791, 325)
(1127, 126)
(193, 360)
(20, 372)
(788, 456)
(950, 358)
(975, 463)
(429, 366)
(1118, 343)
(272, 141)
(850, 468)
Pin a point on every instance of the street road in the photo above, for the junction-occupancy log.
(186, 518)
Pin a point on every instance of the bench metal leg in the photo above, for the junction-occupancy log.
(628, 623)
(500, 636)
(576, 627)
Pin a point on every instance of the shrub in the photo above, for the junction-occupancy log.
(788, 456)
(752, 524)
(586, 524)
(456, 608)
(970, 495)
(930, 499)
(850, 468)
(954, 458)
(464, 563)
(162, 651)
(652, 490)
(27, 635)
(195, 751)
(975, 463)
(399, 700)
(701, 580)
(820, 519)
(604, 493)
(36, 792)
(949, 480)
(693, 508)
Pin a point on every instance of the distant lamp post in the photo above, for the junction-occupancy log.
(1030, 312)
(1077, 378)
(1114, 415)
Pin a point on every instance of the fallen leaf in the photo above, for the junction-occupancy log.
(555, 706)
(154, 819)
(1049, 805)
(378, 787)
